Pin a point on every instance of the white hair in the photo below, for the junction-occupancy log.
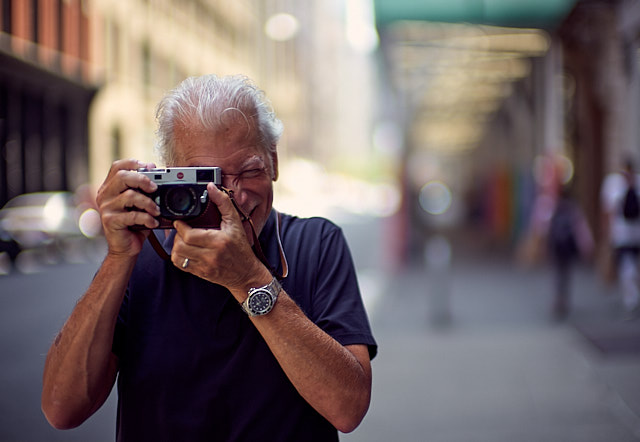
(207, 99)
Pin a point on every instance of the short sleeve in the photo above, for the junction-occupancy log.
(337, 306)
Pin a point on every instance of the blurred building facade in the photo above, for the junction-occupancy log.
(46, 87)
(580, 104)
(505, 108)
(80, 79)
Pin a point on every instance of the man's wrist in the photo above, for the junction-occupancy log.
(121, 258)
(261, 300)
(259, 278)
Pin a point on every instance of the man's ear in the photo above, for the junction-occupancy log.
(274, 161)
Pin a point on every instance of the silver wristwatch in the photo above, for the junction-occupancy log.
(262, 299)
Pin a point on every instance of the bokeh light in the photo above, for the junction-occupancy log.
(281, 27)
(435, 197)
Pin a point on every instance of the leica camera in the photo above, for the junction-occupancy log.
(182, 195)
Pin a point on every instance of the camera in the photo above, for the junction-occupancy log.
(182, 195)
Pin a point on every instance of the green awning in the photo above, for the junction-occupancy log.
(544, 14)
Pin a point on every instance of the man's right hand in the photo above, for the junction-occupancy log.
(81, 368)
(121, 206)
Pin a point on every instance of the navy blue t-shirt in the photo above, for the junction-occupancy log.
(192, 365)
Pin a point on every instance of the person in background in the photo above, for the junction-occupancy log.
(570, 239)
(197, 354)
(620, 203)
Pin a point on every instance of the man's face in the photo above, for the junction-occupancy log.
(245, 167)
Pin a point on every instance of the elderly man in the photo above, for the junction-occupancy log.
(194, 358)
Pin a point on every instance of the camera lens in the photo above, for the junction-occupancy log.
(181, 200)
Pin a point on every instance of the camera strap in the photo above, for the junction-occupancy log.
(257, 249)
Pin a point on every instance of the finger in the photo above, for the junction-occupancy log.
(130, 179)
(123, 175)
(128, 164)
(131, 200)
(139, 208)
(184, 264)
(200, 238)
(135, 218)
(189, 242)
(143, 165)
(144, 182)
(182, 229)
(227, 210)
(125, 164)
(124, 220)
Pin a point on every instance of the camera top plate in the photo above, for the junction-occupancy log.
(184, 175)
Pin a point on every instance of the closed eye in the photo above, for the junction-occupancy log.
(251, 173)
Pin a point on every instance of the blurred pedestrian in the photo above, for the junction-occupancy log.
(570, 239)
(621, 205)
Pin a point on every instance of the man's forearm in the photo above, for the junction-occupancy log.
(334, 379)
(80, 367)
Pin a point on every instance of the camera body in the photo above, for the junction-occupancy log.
(182, 195)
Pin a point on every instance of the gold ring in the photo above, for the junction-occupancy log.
(185, 263)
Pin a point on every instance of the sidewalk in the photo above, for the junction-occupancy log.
(501, 369)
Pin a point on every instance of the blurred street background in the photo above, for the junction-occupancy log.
(437, 134)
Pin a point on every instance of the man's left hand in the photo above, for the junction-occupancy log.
(222, 256)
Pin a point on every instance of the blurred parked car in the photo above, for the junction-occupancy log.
(8, 245)
(41, 219)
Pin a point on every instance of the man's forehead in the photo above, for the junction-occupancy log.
(237, 146)
(239, 158)
(239, 135)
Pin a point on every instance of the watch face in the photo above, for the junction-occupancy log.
(260, 302)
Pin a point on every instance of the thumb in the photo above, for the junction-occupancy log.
(222, 200)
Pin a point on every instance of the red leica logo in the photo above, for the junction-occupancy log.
(180, 175)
